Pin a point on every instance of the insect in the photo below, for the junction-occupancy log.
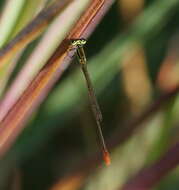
(79, 43)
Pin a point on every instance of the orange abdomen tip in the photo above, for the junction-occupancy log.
(106, 158)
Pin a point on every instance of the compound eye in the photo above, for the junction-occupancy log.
(74, 42)
(83, 41)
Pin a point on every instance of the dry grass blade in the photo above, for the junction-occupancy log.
(136, 123)
(13, 122)
(31, 31)
(72, 183)
(53, 36)
(148, 177)
(17, 115)
(89, 164)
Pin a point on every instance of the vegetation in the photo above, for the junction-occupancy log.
(48, 133)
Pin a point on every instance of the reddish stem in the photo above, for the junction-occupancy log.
(148, 177)
(15, 119)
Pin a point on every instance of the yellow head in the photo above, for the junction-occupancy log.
(78, 42)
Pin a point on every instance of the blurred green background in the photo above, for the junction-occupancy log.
(133, 58)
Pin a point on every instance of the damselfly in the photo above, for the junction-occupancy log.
(79, 43)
